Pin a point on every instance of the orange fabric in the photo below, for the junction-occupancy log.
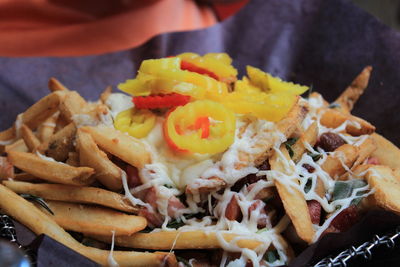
(75, 27)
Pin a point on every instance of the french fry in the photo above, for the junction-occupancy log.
(7, 136)
(344, 155)
(364, 151)
(93, 220)
(47, 128)
(125, 147)
(387, 153)
(74, 194)
(43, 109)
(293, 119)
(90, 155)
(386, 185)
(105, 94)
(60, 144)
(178, 240)
(286, 126)
(18, 145)
(56, 85)
(309, 136)
(61, 123)
(51, 171)
(73, 159)
(40, 223)
(333, 118)
(318, 97)
(73, 104)
(293, 200)
(31, 141)
(357, 87)
(25, 177)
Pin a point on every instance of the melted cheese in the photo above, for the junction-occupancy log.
(110, 259)
(47, 158)
(171, 172)
(118, 102)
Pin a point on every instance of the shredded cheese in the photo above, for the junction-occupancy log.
(110, 260)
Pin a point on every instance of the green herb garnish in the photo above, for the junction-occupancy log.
(308, 185)
(334, 105)
(176, 223)
(310, 90)
(289, 143)
(344, 189)
(184, 261)
(38, 200)
(271, 256)
(315, 156)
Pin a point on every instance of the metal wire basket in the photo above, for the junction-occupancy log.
(365, 250)
(7, 231)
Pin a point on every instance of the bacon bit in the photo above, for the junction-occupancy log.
(314, 208)
(330, 141)
(185, 65)
(174, 206)
(373, 161)
(262, 218)
(6, 168)
(233, 211)
(309, 168)
(160, 101)
(153, 219)
(133, 177)
(343, 221)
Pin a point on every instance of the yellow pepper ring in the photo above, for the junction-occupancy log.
(222, 127)
(137, 123)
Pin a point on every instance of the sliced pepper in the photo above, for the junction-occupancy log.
(271, 107)
(219, 64)
(186, 65)
(189, 128)
(137, 123)
(146, 84)
(160, 101)
(165, 76)
(271, 84)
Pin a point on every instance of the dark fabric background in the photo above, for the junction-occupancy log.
(321, 42)
(324, 43)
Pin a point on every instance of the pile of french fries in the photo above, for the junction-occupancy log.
(46, 155)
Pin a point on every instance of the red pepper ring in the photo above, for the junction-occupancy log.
(160, 101)
(202, 123)
(185, 65)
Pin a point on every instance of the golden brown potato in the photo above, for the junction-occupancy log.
(357, 87)
(91, 156)
(125, 147)
(60, 144)
(74, 194)
(386, 152)
(31, 141)
(293, 200)
(40, 223)
(93, 220)
(50, 170)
